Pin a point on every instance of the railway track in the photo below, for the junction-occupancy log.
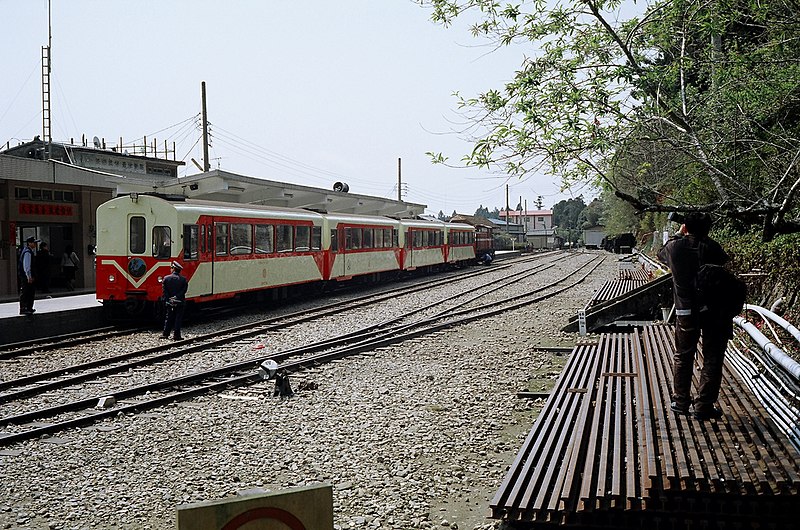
(157, 393)
(58, 342)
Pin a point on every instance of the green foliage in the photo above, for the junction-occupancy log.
(566, 213)
(677, 105)
(777, 261)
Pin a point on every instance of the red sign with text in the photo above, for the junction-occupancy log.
(58, 210)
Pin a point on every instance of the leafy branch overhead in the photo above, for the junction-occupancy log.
(674, 105)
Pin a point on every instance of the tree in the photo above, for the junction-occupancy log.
(482, 212)
(684, 106)
(592, 215)
(567, 212)
(441, 216)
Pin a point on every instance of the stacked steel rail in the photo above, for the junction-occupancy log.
(607, 452)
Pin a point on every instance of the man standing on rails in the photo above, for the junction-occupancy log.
(27, 287)
(174, 295)
(684, 253)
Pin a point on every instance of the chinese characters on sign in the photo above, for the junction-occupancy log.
(61, 210)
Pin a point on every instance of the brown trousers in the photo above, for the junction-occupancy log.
(715, 333)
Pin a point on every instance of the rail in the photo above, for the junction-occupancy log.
(606, 451)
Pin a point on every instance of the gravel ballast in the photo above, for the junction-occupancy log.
(417, 435)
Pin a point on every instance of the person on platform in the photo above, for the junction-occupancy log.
(42, 268)
(684, 253)
(174, 295)
(26, 278)
(69, 265)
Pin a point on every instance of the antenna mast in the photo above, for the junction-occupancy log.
(46, 128)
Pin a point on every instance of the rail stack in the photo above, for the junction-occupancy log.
(607, 452)
(629, 277)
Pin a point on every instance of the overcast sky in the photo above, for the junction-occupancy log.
(306, 92)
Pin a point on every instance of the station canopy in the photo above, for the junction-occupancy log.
(218, 185)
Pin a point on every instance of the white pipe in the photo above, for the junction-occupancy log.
(776, 304)
(777, 354)
(777, 319)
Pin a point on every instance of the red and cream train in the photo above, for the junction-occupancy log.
(229, 250)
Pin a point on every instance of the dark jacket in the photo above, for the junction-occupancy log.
(684, 255)
(175, 286)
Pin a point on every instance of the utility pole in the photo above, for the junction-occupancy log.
(399, 181)
(526, 220)
(508, 210)
(206, 162)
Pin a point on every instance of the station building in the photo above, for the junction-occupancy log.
(56, 199)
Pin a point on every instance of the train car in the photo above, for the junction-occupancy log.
(225, 249)
(484, 241)
(423, 244)
(241, 250)
(460, 239)
(361, 245)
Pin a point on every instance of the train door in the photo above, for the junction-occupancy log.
(197, 257)
(410, 247)
(337, 256)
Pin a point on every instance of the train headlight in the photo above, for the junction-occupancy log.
(111, 278)
(137, 267)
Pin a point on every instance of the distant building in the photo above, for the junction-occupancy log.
(515, 231)
(530, 219)
(594, 237)
(115, 160)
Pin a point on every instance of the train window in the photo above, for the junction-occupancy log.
(162, 242)
(378, 238)
(356, 238)
(417, 238)
(209, 238)
(368, 238)
(241, 239)
(222, 238)
(191, 241)
(316, 238)
(302, 236)
(394, 238)
(284, 234)
(265, 239)
(334, 240)
(202, 238)
(137, 235)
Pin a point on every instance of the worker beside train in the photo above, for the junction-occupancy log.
(174, 297)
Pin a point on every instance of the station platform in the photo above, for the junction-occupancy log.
(57, 313)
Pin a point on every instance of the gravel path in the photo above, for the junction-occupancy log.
(413, 436)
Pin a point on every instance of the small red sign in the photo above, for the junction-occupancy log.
(56, 210)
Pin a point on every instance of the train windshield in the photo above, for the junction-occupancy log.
(137, 235)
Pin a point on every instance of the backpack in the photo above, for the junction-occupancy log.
(720, 290)
(20, 257)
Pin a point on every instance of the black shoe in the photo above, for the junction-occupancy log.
(164, 336)
(678, 408)
(177, 337)
(712, 413)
